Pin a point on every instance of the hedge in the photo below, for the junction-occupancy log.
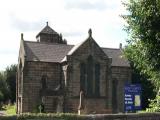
(8, 117)
(49, 116)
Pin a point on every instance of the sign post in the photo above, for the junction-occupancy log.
(132, 97)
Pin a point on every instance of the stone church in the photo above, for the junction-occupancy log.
(83, 78)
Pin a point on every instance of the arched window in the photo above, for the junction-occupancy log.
(90, 76)
(97, 79)
(44, 81)
(82, 77)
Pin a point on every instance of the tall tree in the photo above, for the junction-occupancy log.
(4, 88)
(11, 81)
(143, 27)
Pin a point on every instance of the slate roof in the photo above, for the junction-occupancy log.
(117, 58)
(47, 52)
(37, 51)
(47, 30)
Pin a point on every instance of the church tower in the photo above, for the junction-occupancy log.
(48, 35)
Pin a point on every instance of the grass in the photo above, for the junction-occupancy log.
(10, 109)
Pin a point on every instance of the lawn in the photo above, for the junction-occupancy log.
(10, 109)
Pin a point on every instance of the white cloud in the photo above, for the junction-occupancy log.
(85, 5)
(72, 18)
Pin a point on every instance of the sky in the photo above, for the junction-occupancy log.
(72, 18)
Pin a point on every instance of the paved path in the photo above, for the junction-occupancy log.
(2, 113)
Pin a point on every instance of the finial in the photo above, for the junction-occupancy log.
(22, 36)
(90, 32)
(47, 23)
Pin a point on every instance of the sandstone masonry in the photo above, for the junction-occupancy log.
(82, 78)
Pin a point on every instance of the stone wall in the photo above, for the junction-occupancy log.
(49, 38)
(112, 80)
(32, 82)
(102, 103)
(120, 76)
(140, 116)
(144, 116)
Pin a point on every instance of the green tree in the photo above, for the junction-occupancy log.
(8, 84)
(147, 87)
(4, 89)
(11, 81)
(143, 27)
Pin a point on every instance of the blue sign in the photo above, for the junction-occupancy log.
(132, 97)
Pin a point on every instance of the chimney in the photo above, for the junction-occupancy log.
(120, 46)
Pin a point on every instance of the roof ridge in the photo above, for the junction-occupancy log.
(110, 48)
(47, 43)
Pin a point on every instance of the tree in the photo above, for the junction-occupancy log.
(8, 84)
(11, 81)
(4, 89)
(147, 87)
(143, 27)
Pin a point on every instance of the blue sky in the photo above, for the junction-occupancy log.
(72, 18)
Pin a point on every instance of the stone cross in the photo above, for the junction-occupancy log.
(40, 108)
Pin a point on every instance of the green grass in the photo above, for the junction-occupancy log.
(10, 109)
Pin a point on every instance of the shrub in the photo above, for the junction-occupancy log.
(7, 117)
(154, 105)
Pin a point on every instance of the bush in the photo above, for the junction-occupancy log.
(154, 105)
(8, 117)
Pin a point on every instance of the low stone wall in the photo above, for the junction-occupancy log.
(140, 116)
(131, 116)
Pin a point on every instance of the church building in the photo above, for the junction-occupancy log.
(83, 78)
